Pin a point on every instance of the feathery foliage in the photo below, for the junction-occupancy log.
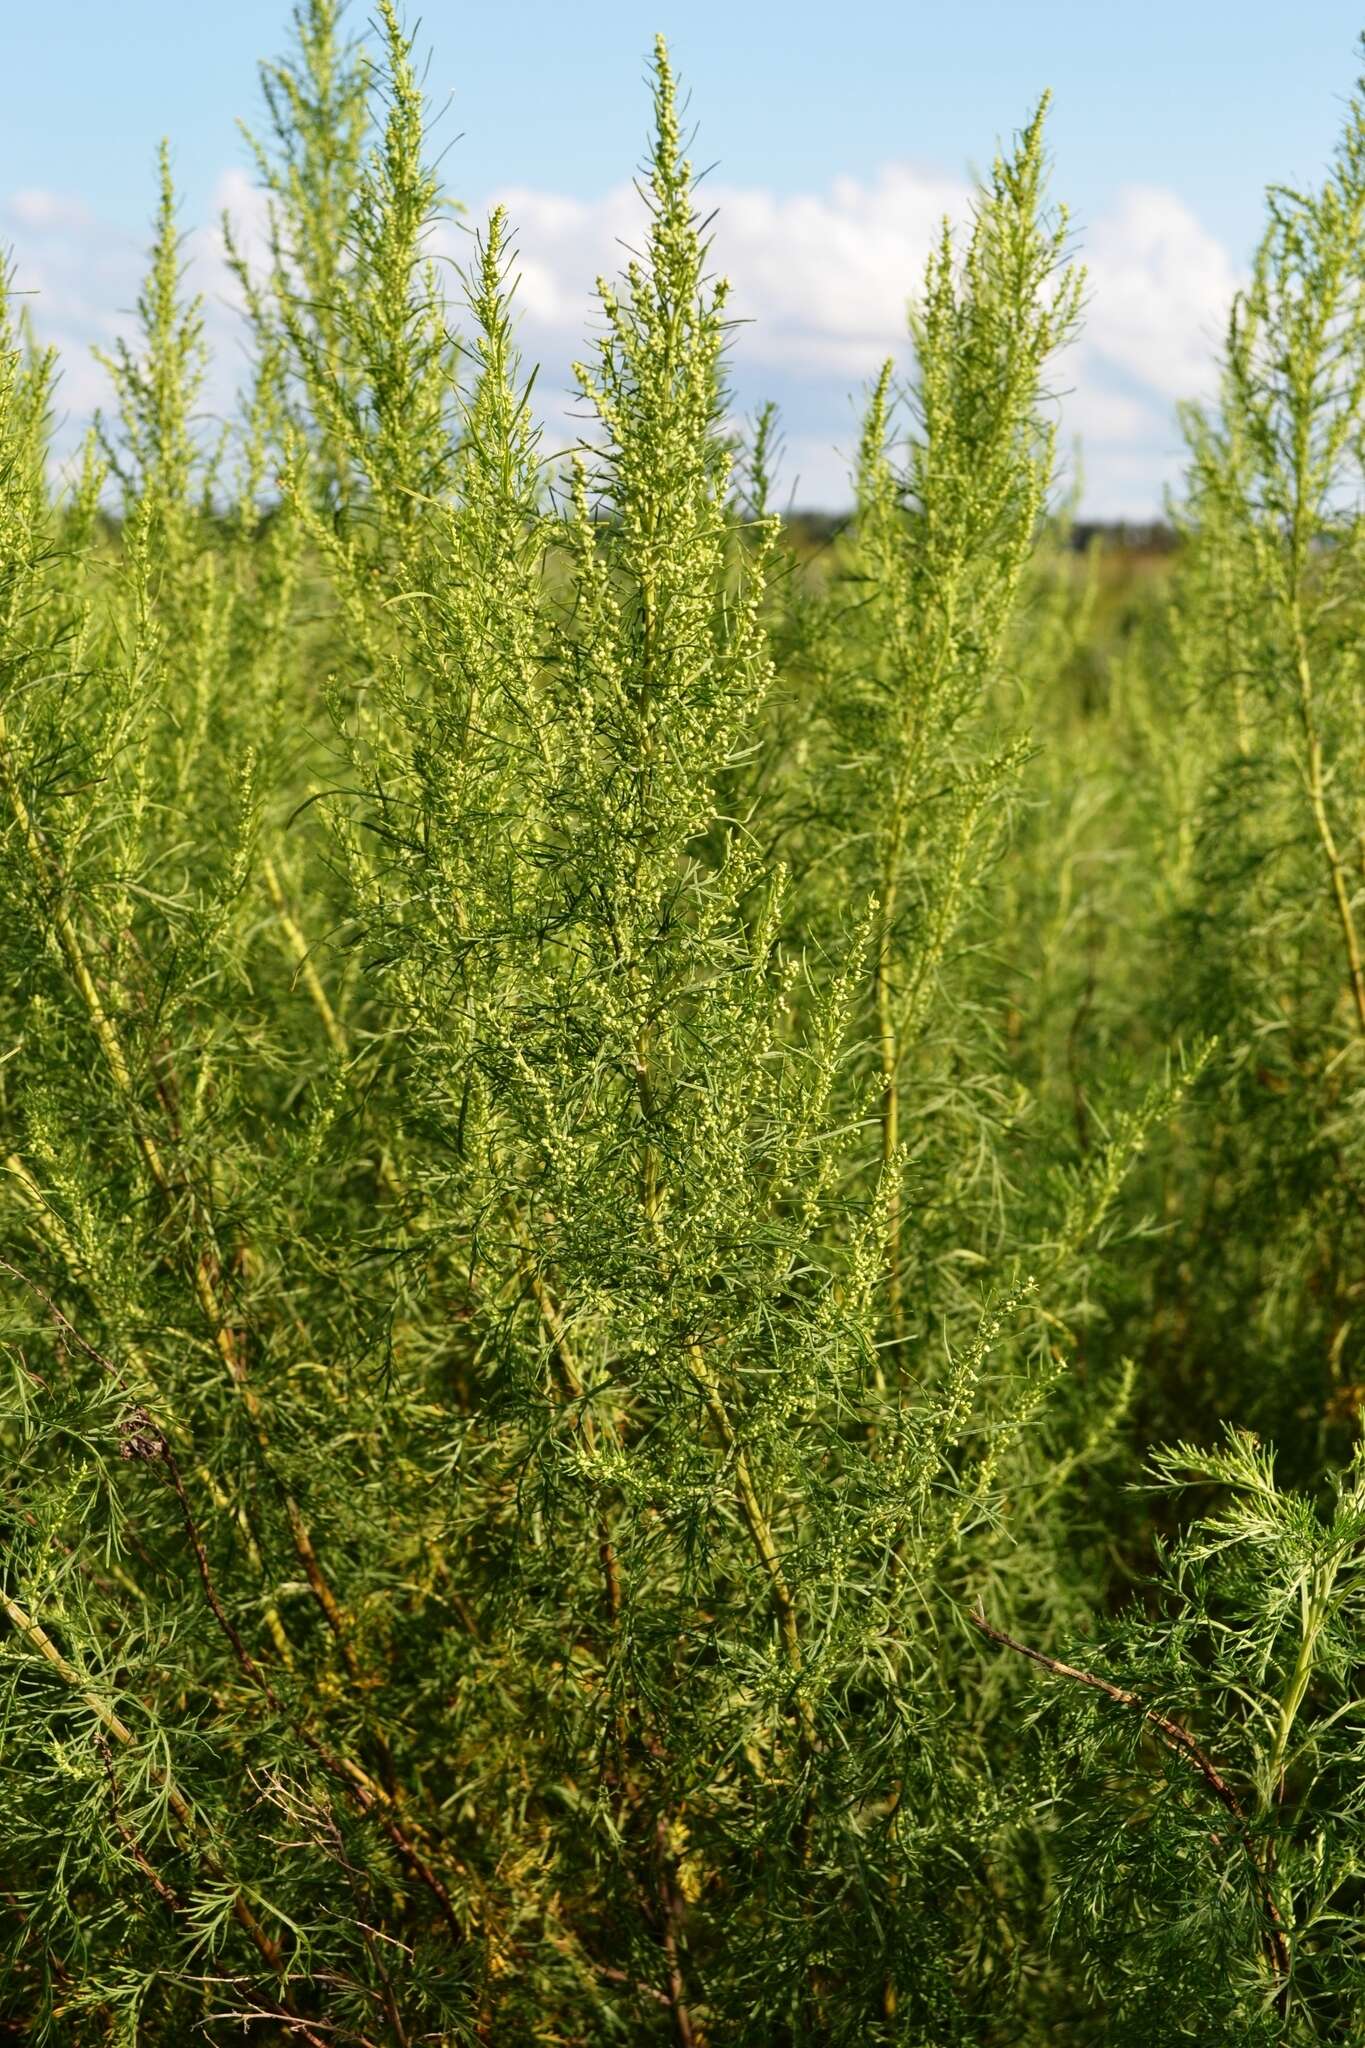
(621, 1149)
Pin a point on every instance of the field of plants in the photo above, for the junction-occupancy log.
(682, 1214)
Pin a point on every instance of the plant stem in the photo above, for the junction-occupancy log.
(1315, 782)
(1183, 1744)
(34, 1633)
(204, 1264)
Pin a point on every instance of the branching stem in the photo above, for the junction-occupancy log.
(1183, 1744)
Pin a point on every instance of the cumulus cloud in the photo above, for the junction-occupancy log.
(821, 285)
(74, 276)
(1160, 286)
(79, 278)
(44, 211)
(824, 277)
(822, 282)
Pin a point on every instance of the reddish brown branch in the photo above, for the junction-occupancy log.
(360, 1788)
(168, 1898)
(142, 1438)
(1183, 1744)
(670, 1907)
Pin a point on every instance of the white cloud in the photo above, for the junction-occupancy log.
(828, 277)
(823, 278)
(79, 279)
(821, 284)
(1160, 286)
(822, 281)
(237, 195)
(74, 275)
(41, 211)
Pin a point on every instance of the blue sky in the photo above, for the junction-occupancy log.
(849, 125)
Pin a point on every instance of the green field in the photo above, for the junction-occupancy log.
(682, 1197)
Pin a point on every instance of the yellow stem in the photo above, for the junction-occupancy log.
(148, 1390)
(205, 1292)
(1316, 784)
(34, 1633)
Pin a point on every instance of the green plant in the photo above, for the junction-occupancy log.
(618, 1134)
(1211, 1767)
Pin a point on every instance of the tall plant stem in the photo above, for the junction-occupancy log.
(1182, 1743)
(360, 1787)
(685, 2033)
(561, 1346)
(262, 2004)
(1314, 1604)
(911, 742)
(757, 1524)
(48, 1224)
(751, 1507)
(202, 1265)
(888, 1052)
(145, 1439)
(337, 1036)
(574, 1386)
(37, 1637)
(1315, 783)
